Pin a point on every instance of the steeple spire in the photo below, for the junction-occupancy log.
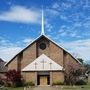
(42, 32)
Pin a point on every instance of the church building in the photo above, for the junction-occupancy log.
(43, 61)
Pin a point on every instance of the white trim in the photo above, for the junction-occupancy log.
(43, 63)
(86, 73)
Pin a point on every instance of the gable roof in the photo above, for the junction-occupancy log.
(42, 35)
(1, 60)
(43, 63)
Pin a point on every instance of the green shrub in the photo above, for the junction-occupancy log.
(57, 83)
(81, 82)
(1, 83)
(7, 84)
(29, 83)
(19, 84)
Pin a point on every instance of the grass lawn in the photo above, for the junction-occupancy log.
(19, 88)
(86, 87)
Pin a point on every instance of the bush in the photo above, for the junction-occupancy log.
(1, 83)
(6, 84)
(19, 84)
(81, 82)
(14, 78)
(57, 83)
(29, 83)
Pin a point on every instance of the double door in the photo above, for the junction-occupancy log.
(43, 80)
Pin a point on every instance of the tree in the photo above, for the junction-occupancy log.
(87, 65)
(80, 59)
(1, 81)
(72, 73)
(14, 77)
(77, 57)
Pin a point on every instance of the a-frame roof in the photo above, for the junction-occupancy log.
(42, 35)
(43, 63)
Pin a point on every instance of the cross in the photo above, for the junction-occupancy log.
(35, 65)
(50, 65)
(43, 62)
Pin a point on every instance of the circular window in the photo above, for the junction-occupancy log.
(42, 46)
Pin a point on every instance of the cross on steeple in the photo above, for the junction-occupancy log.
(42, 31)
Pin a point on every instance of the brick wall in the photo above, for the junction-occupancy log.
(13, 64)
(69, 59)
(30, 76)
(56, 54)
(28, 55)
(46, 51)
(52, 51)
(57, 76)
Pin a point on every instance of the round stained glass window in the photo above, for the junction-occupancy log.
(42, 46)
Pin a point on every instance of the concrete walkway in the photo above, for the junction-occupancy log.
(44, 88)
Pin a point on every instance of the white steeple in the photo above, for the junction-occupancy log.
(42, 32)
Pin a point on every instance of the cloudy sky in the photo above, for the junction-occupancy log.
(67, 22)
